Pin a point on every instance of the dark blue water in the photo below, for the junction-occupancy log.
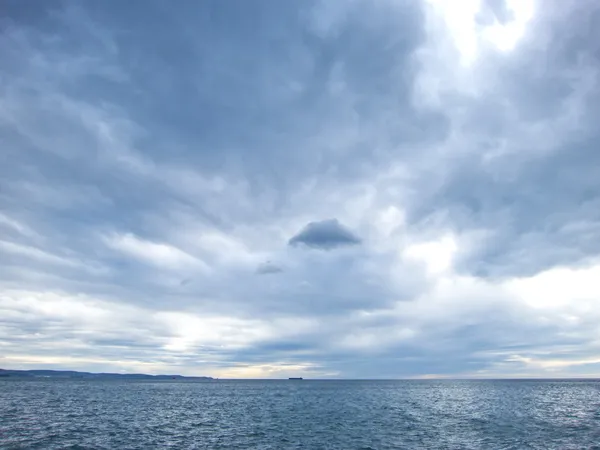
(347, 415)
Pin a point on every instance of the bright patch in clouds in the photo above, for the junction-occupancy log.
(506, 36)
(321, 189)
(162, 255)
(469, 35)
(560, 287)
(437, 255)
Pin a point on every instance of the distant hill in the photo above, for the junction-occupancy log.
(88, 375)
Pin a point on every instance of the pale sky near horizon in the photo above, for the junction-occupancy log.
(316, 188)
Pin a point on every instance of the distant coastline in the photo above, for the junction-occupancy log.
(70, 374)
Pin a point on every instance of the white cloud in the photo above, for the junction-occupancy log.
(560, 287)
(469, 36)
(16, 225)
(505, 36)
(437, 255)
(190, 330)
(37, 254)
(158, 254)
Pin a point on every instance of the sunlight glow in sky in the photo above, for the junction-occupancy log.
(469, 35)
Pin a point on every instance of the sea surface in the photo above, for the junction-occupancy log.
(220, 414)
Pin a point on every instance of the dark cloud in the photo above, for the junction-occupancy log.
(268, 268)
(325, 235)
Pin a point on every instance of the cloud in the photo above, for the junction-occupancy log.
(268, 268)
(326, 235)
(152, 175)
(162, 255)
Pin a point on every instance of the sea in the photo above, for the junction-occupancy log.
(307, 414)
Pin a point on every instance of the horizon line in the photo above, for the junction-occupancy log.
(304, 378)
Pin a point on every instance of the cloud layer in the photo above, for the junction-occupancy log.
(168, 172)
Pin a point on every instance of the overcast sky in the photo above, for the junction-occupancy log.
(267, 188)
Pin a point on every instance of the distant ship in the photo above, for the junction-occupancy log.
(295, 378)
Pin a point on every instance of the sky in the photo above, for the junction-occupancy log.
(316, 188)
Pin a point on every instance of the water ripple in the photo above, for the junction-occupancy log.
(264, 415)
